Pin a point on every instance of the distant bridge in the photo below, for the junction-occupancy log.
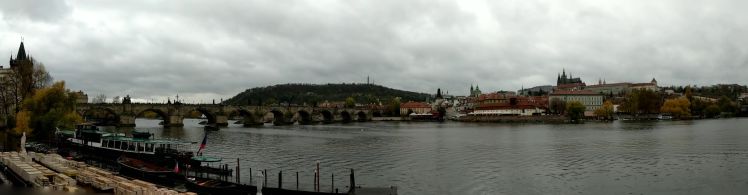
(174, 114)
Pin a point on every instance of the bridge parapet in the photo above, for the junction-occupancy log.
(174, 114)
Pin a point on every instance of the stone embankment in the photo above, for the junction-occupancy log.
(514, 119)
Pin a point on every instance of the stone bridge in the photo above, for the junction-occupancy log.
(174, 114)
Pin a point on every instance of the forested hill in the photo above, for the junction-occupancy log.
(312, 94)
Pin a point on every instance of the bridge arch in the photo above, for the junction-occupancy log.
(345, 116)
(327, 116)
(162, 114)
(245, 117)
(107, 117)
(303, 117)
(361, 116)
(278, 117)
(208, 114)
(376, 113)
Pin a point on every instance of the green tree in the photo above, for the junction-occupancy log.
(606, 111)
(575, 111)
(49, 108)
(270, 102)
(393, 107)
(679, 107)
(712, 111)
(726, 105)
(698, 107)
(350, 102)
(642, 101)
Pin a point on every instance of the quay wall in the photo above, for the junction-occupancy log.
(515, 119)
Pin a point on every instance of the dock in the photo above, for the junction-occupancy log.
(53, 172)
(375, 191)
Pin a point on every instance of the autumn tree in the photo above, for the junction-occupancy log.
(679, 107)
(22, 123)
(49, 108)
(606, 111)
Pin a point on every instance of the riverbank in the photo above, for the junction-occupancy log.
(553, 119)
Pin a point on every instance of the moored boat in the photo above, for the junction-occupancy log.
(150, 170)
(216, 186)
(107, 146)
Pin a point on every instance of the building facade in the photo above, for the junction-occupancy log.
(589, 99)
(415, 108)
(621, 88)
(509, 104)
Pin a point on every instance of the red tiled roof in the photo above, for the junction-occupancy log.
(499, 107)
(412, 104)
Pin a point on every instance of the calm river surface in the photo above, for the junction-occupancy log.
(670, 157)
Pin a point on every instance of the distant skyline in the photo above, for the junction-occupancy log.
(205, 50)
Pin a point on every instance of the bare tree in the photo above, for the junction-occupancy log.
(116, 100)
(41, 77)
(99, 99)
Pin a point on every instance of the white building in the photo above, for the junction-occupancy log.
(591, 100)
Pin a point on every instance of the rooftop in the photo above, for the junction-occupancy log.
(412, 104)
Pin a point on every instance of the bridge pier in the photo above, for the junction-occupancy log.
(174, 121)
(222, 120)
(126, 121)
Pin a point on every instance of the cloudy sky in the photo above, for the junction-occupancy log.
(218, 48)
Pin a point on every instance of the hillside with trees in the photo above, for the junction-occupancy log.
(315, 94)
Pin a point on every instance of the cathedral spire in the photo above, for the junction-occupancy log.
(21, 52)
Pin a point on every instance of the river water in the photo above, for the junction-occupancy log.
(665, 157)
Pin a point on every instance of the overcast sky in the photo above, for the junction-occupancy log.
(218, 48)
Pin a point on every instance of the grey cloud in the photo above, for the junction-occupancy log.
(36, 10)
(215, 49)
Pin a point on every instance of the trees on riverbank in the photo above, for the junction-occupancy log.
(47, 109)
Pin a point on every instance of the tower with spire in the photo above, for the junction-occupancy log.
(23, 65)
(475, 92)
(20, 57)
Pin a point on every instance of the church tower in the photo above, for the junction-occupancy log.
(20, 57)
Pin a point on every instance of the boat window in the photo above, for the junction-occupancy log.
(140, 147)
